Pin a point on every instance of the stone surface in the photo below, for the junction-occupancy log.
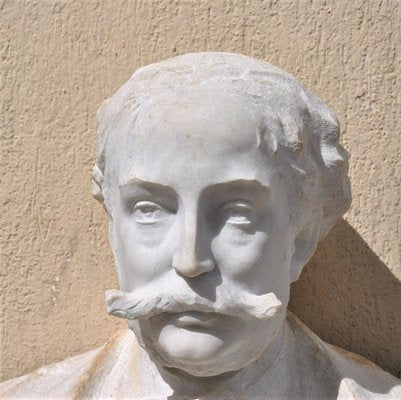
(121, 369)
(60, 59)
(219, 174)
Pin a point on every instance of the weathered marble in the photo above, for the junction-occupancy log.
(219, 173)
(305, 367)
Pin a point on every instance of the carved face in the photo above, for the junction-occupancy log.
(195, 199)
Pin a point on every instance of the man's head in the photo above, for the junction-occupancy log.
(219, 173)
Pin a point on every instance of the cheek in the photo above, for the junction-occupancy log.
(144, 252)
(236, 251)
(258, 259)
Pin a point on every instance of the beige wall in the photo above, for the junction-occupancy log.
(60, 59)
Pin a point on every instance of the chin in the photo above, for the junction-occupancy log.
(228, 346)
(190, 346)
(202, 354)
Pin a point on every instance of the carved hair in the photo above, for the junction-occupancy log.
(308, 134)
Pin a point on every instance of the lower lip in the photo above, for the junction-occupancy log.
(195, 319)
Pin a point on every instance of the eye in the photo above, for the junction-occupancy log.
(148, 213)
(238, 213)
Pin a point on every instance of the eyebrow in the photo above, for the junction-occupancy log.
(247, 184)
(240, 183)
(136, 181)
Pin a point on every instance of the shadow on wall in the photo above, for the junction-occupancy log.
(350, 298)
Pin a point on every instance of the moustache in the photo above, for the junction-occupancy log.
(157, 299)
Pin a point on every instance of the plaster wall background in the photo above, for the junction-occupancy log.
(61, 59)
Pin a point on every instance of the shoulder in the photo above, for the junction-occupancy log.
(68, 378)
(355, 377)
(58, 379)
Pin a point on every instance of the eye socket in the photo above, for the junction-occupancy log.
(238, 213)
(148, 212)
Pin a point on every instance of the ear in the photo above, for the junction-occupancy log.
(97, 183)
(98, 186)
(305, 243)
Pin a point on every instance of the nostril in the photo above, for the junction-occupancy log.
(206, 265)
(191, 268)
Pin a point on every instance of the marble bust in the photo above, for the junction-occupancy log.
(219, 173)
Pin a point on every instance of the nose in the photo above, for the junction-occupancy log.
(194, 256)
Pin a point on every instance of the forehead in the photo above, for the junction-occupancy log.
(197, 119)
(187, 136)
